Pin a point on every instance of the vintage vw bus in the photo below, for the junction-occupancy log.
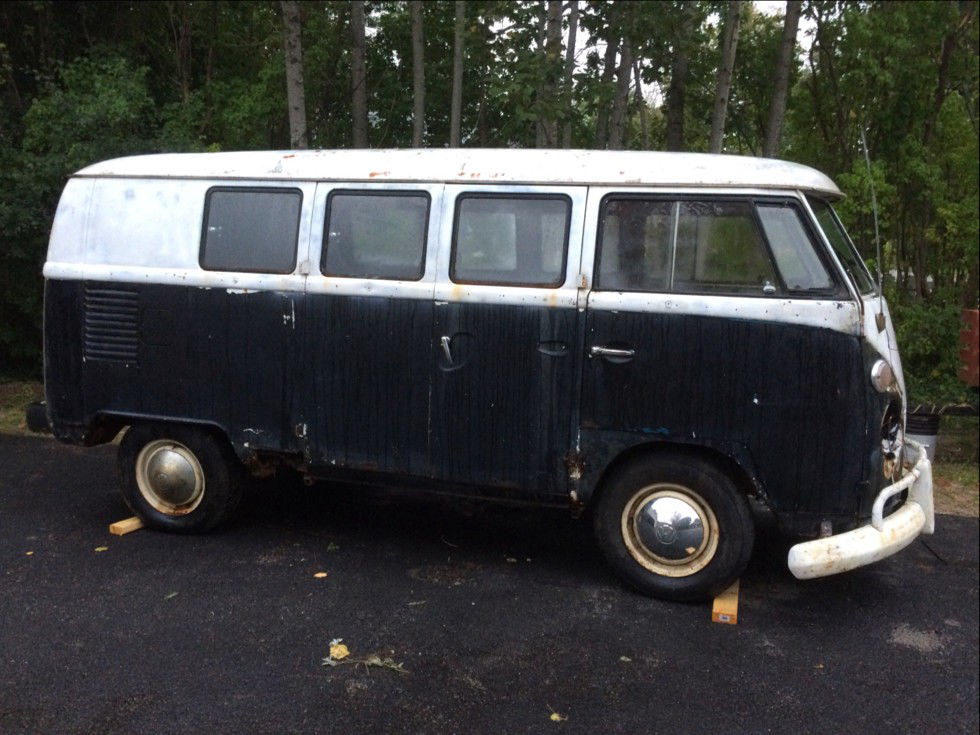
(657, 337)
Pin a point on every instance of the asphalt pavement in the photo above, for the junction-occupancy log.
(458, 617)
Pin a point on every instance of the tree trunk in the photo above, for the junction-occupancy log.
(642, 106)
(546, 125)
(295, 94)
(358, 76)
(569, 75)
(949, 44)
(678, 80)
(723, 83)
(816, 94)
(841, 133)
(617, 122)
(180, 26)
(418, 75)
(539, 93)
(777, 109)
(456, 105)
(608, 73)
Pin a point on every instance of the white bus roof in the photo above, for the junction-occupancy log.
(467, 165)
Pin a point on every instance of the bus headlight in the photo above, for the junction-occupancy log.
(883, 377)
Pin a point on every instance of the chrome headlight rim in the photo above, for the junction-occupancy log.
(883, 377)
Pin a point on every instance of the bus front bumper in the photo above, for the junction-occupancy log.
(883, 537)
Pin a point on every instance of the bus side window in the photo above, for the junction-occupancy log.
(376, 235)
(510, 240)
(634, 245)
(250, 230)
(793, 249)
(720, 249)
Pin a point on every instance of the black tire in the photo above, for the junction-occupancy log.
(178, 478)
(692, 559)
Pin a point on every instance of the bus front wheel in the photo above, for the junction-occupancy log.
(674, 526)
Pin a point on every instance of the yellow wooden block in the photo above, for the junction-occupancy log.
(725, 609)
(127, 526)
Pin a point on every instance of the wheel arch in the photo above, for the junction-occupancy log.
(120, 422)
(728, 462)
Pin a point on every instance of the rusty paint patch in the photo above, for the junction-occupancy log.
(574, 465)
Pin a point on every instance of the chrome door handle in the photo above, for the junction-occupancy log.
(445, 349)
(598, 351)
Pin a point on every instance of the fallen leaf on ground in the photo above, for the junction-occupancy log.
(384, 663)
(320, 575)
(101, 548)
(340, 654)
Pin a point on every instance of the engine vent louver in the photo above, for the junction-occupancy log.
(111, 325)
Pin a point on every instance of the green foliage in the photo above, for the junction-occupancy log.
(97, 108)
(100, 106)
(748, 106)
(928, 335)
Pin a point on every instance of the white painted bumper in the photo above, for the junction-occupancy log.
(883, 537)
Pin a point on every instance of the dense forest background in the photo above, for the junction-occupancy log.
(85, 81)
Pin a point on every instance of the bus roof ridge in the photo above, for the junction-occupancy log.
(475, 165)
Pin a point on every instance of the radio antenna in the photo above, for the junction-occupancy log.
(880, 316)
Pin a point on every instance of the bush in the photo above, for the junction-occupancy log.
(929, 340)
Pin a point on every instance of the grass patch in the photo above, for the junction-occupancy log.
(14, 397)
(957, 442)
(957, 488)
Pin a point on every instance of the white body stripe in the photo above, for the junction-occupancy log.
(839, 316)
(139, 219)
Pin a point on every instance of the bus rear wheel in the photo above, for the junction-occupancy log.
(674, 527)
(178, 478)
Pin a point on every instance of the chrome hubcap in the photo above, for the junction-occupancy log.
(670, 530)
(169, 477)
